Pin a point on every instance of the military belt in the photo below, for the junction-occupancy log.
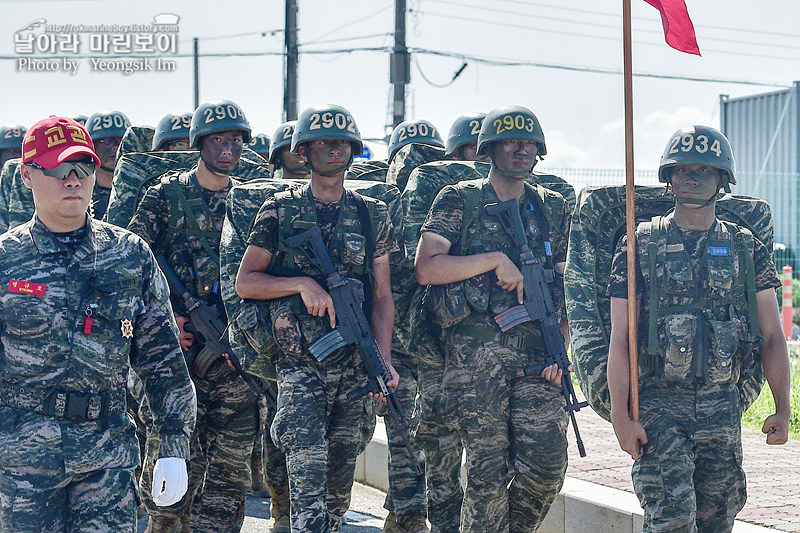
(493, 334)
(71, 405)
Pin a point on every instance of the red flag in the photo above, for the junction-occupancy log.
(678, 28)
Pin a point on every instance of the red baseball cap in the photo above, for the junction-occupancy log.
(53, 140)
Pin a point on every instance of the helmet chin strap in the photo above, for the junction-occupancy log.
(703, 203)
(511, 175)
(333, 172)
(107, 169)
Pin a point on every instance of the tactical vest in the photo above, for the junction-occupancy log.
(482, 233)
(191, 237)
(351, 248)
(697, 330)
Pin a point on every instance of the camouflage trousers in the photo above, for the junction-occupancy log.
(406, 496)
(221, 445)
(443, 452)
(272, 457)
(34, 499)
(321, 432)
(690, 478)
(514, 430)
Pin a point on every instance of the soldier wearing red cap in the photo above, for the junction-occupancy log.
(81, 303)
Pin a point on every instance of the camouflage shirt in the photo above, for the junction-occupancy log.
(167, 233)
(74, 318)
(695, 245)
(16, 200)
(100, 196)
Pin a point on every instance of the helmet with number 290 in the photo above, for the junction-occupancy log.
(413, 131)
(511, 122)
(702, 145)
(217, 116)
(328, 121)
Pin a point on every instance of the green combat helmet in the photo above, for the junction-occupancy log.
(413, 131)
(465, 130)
(104, 124)
(510, 122)
(217, 116)
(329, 121)
(260, 145)
(701, 145)
(281, 139)
(11, 142)
(80, 119)
(173, 127)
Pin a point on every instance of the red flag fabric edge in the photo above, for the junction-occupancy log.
(678, 27)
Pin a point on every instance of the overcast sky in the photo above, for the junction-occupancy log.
(581, 111)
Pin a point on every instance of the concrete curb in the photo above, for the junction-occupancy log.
(581, 505)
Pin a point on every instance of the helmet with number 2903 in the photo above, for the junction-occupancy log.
(511, 122)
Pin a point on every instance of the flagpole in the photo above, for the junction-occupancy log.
(630, 216)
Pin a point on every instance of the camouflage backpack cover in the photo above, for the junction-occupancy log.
(136, 139)
(407, 159)
(135, 172)
(598, 223)
(16, 200)
(367, 170)
(250, 326)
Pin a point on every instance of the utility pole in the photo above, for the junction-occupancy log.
(399, 64)
(196, 74)
(290, 55)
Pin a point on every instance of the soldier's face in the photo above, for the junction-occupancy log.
(695, 181)
(469, 152)
(176, 145)
(327, 156)
(293, 162)
(9, 153)
(222, 149)
(515, 156)
(106, 150)
(56, 198)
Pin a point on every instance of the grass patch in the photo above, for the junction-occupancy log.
(754, 417)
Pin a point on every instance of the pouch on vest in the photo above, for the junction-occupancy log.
(449, 303)
(251, 339)
(724, 344)
(680, 330)
(285, 327)
(679, 277)
(477, 290)
(720, 277)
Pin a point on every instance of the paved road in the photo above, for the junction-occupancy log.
(366, 513)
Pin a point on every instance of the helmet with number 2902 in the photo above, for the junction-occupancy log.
(217, 116)
(702, 145)
(510, 122)
(329, 121)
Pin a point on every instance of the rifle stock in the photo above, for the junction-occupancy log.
(352, 328)
(537, 306)
(209, 333)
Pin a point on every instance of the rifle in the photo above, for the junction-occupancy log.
(352, 328)
(209, 331)
(537, 305)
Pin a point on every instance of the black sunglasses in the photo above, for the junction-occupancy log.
(83, 169)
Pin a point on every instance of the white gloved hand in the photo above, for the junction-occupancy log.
(170, 481)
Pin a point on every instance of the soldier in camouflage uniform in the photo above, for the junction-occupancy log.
(260, 144)
(106, 129)
(705, 289)
(84, 303)
(172, 133)
(281, 157)
(317, 426)
(513, 426)
(10, 142)
(181, 218)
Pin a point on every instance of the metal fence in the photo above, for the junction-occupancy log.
(780, 190)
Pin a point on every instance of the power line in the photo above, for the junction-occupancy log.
(595, 24)
(450, 16)
(350, 23)
(343, 39)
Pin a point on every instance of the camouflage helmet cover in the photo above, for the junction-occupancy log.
(108, 123)
(465, 130)
(698, 145)
(260, 144)
(281, 139)
(329, 121)
(173, 126)
(413, 131)
(11, 136)
(510, 122)
(217, 116)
